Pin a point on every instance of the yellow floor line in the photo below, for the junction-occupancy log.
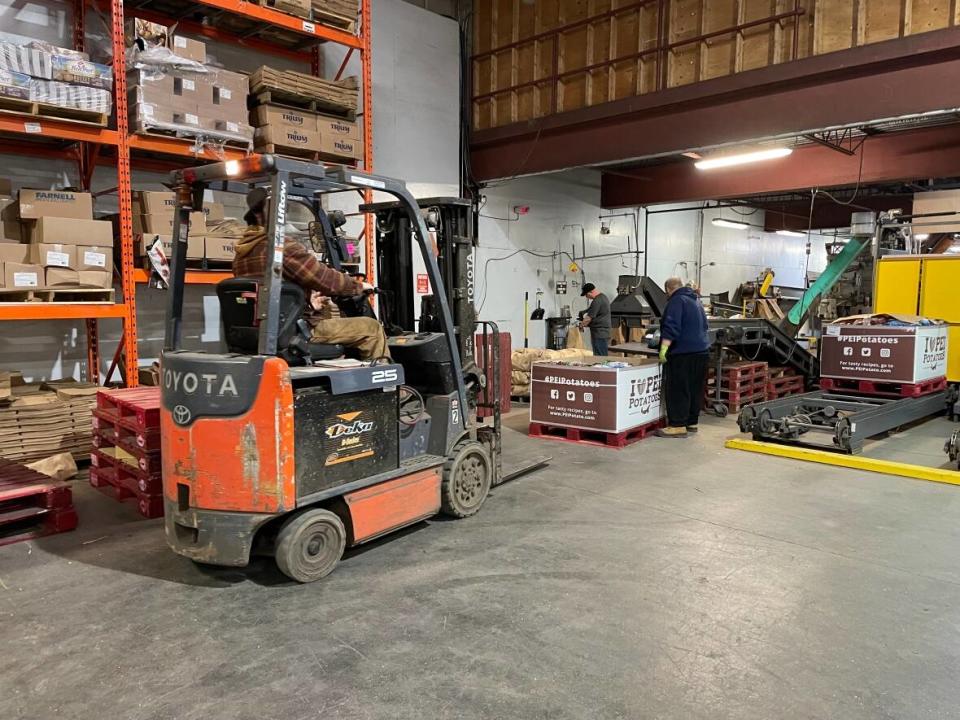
(857, 462)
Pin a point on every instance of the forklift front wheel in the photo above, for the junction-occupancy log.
(310, 544)
(467, 476)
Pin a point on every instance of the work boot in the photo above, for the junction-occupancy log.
(672, 432)
(692, 428)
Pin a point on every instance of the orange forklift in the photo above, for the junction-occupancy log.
(279, 446)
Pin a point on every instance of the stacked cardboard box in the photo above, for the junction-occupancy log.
(289, 129)
(339, 13)
(52, 241)
(171, 90)
(42, 73)
(154, 214)
(40, 420)
(301, 131)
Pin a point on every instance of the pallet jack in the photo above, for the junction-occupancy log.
(276, 447)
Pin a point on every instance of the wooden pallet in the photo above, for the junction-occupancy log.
(32, 505)
(774, 371)
(191, 135)
(295, 101)
(73, 295)
(301, 154)
(44, 111)
(884, 389)
(109, 482)
(594, 437)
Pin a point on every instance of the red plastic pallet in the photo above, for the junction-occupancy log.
(122, 486)
(133, 408)
(32, 505)
(783, 386)
(884, 389)
(594, 437)
(740, 371)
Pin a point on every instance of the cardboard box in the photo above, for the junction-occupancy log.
(61, 276)
(95, 278)
(15, 85)
(14, 252)
(596, 398)
(163, 224)
(288, 137)
(153, 202)
(69, 231)
(36, 204)
(281, 117)
(335, 127)
(341, 147)
(54, 255)
(197, 88)
(95, 257)
(195, 245)
(10, 226)
(909, 355)
(214, 211)
(22, 276)
(188, 48)
(230, 87)
(6, 188)
(217, 248)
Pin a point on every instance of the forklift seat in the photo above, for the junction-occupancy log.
(238, 310)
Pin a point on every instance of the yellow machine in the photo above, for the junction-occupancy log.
(924, 285)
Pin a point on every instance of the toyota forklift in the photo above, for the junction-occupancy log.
(280, 446)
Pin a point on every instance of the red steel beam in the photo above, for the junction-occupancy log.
(909, 155)
(795, 214)
(882, 80)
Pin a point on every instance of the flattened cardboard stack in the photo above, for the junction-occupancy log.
(40, 420)
(320, 123)
(338, 13)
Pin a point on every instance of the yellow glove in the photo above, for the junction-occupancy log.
(663, 353)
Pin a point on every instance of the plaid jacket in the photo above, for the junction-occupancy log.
(299, 265)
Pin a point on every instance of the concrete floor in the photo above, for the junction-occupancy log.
(674, 579)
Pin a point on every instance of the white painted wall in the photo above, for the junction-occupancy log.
(415, 78)
(515, 252)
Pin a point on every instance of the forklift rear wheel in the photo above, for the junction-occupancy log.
(467, 476)
(309, 545)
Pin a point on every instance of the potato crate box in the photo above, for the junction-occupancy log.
(594, 397)
(195, 244)
(906, 352)
(220, 248)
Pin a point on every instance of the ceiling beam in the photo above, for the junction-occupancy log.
(878, 81)
(827, 215)
(903, 156)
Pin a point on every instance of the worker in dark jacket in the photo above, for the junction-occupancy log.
(684, 352)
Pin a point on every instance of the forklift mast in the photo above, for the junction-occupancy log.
(451, 225)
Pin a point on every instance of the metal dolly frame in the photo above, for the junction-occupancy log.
(849, 419)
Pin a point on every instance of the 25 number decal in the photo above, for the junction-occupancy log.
(384, 376)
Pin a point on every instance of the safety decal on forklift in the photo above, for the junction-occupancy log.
(345, 436)
(367, 181)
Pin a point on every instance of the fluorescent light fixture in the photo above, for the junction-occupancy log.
(790, 233)
(922, 236)
(742, 158)
(720, 222)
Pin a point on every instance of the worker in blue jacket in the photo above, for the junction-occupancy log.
(684, 351)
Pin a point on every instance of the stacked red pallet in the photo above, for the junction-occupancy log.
(783, 381)
(740, 383)
(125, 461)
(32, 504)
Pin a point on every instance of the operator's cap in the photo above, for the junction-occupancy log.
(256, 201)
(587, 287)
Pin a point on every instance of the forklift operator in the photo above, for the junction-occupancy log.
(365, 335)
